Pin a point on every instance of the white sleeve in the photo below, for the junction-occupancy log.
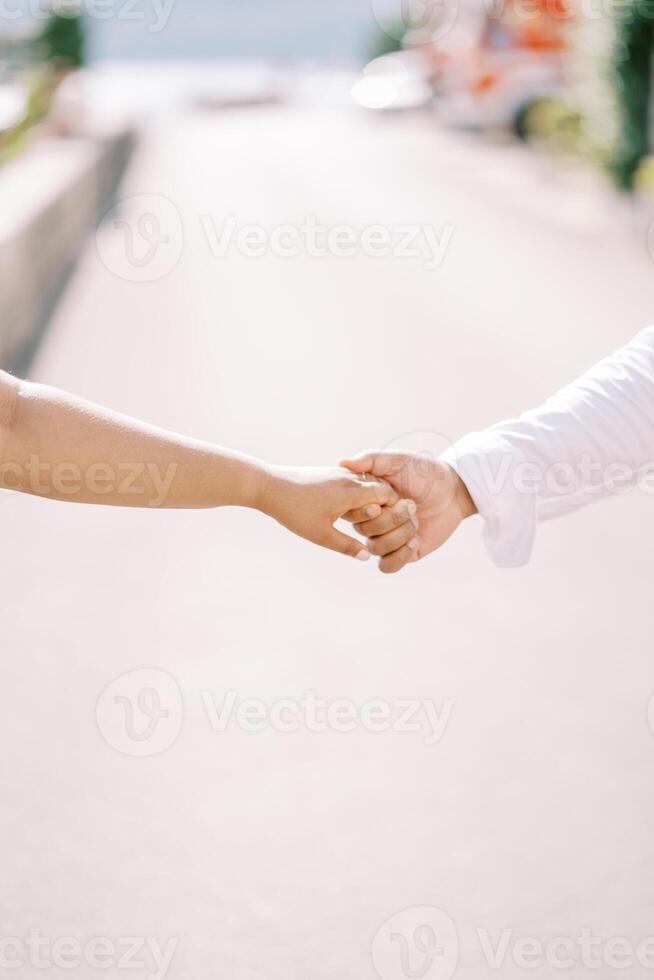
(593, 438)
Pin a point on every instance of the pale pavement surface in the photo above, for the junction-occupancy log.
(278, 856)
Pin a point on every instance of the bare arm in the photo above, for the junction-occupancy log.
(57, 445)
(53, 444)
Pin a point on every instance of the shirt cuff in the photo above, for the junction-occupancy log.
(487, 465)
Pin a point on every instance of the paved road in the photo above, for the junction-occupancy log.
(276, 855)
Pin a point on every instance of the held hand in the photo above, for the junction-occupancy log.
(441, 501)
(309, 500)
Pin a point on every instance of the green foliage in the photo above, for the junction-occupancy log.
(61, 45)
(63, 39)
(632, 73)
(37, 107)
(549, 120)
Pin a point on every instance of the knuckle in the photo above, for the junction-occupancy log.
(407, 533)
(381, 525)
(369, 529)
(396, 539)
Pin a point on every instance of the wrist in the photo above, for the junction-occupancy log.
(257, 485)
(464, 499)
(269, 488)
(461, 497)
(237, 480)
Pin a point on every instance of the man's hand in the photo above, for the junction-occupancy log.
(309, 500)
(441, 502)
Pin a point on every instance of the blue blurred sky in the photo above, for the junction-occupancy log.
(339, 30)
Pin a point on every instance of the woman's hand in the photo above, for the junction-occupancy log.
(309, 500)
(55, 445)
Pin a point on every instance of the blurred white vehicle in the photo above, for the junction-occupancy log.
(494, 63)
(485, 64)
(394, 81)
(497, 90)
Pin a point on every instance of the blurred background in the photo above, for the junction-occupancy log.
(566, 86)
(300, 230)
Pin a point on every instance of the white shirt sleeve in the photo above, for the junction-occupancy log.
(593, 438)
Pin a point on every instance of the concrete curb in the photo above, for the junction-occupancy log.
(50, 198)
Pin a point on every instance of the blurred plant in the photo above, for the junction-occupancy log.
(38, 99)
(632, 69)
(643, 182)
(36, 65)
(63, 40)
(551, 120)
(591, 81)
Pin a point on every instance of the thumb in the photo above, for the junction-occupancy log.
(373, 461)
(358, 464)
(345, 545)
